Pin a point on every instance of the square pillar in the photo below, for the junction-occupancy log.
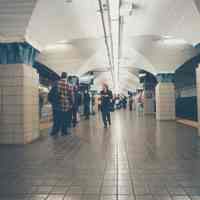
(198, 95)
(165, 97)
(19, 112)
(149, 100)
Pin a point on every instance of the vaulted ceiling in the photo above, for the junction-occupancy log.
(157, 36)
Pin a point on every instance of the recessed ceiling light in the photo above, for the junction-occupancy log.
(167, 37)
(63, 42)
(142, 75)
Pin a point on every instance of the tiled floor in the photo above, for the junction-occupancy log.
(136, 158)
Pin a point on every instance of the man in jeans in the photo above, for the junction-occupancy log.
(62, 104)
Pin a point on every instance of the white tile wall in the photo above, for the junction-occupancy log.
(165, 101)
(198, 94)
(19, 121)
(148, 102)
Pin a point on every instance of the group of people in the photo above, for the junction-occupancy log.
(121, 101)
(65, 101)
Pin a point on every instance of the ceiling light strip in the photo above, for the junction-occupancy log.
(115, 8)
(110, 31)
(105, 36)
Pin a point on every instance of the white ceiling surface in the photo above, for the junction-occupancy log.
(70, 35)
(14, 18)
(177, 18)
(156, 54)
(54, 21)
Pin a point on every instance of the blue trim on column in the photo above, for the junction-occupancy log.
(165, 78)
(17, 53)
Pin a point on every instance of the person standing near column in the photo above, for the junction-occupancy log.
(106, 101)
(62, 106)
(71, 91)
(53, 98)
(75, 106)
(66, 101)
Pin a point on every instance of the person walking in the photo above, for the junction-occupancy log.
(86, 103)
(61, 99)
(124, 102)
(41, 103)
(71, 90)
(131, 102)
(106, 101)
(75, 108)
(53, 98)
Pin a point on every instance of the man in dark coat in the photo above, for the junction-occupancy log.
(106, 103)
(86, 102)
(61, 99)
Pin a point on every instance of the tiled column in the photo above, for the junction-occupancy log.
(149, 101)
(165, 97)
(19, 118)
(198, 94)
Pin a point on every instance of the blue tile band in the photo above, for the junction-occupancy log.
(165, 78)
(17, 53)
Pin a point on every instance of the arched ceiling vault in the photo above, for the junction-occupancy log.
(156, 54)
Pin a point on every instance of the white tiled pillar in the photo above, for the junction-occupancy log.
(19, 118)
(165, 98)
(198, 94)
(149, 101)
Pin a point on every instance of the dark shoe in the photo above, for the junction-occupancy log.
(65, 134)
(53, 134)
(105, 126)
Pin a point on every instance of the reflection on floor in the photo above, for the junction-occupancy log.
(136, 158)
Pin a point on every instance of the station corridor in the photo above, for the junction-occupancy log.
(136, 158)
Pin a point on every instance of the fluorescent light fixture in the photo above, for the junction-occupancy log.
(167, 37)
(173, 41)
(57, 47)
(114, 12)
(142, 75)
(63, 42)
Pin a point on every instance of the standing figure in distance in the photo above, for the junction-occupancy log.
(86, 103)
(131, 102)
(106, 101)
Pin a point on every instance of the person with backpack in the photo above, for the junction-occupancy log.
(60, 98)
